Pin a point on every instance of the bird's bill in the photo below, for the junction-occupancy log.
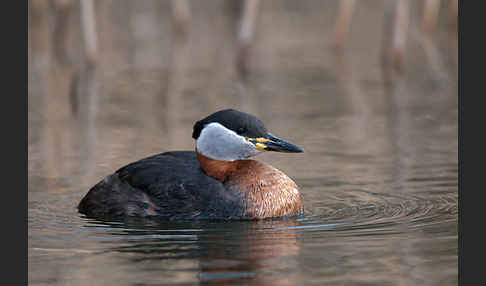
(273, 143)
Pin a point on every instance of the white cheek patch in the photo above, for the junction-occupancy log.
(220, 143)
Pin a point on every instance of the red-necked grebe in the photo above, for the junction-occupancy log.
(217, 181)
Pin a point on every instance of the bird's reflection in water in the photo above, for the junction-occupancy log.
(217, 252)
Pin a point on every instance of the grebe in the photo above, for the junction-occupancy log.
(217, 181)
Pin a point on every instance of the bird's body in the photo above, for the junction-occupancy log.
(188, 185)
(172, 185)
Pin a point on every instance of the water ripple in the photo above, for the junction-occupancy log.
(378, 212)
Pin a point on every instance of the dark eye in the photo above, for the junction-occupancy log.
(241, 130)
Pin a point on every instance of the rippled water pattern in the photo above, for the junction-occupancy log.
(379, 174)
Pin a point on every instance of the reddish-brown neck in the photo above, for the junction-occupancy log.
(220, 170)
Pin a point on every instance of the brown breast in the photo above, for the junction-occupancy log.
(267, 191)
